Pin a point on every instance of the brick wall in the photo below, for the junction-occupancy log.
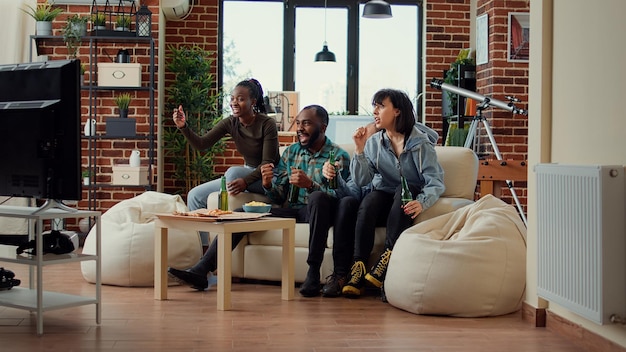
(447, 31)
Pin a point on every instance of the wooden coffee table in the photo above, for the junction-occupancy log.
(224, 230)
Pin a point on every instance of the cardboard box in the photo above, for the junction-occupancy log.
(121, 127)
(119, 75)
(126, 175)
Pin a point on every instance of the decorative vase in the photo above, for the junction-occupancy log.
(90, 128)
(43, 28)
(135, 158)
(86, 181)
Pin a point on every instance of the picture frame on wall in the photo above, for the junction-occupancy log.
(518, 38)
(482, 39)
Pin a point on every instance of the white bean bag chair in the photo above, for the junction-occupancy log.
(468, 263)
(128, 241)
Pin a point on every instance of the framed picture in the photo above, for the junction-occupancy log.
(518, 44)
(482, 39)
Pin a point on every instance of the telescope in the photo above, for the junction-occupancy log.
(485, 101)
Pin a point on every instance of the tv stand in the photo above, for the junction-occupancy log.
(33, 297)
(54, 203)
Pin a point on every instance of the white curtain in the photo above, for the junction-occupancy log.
(18, 27)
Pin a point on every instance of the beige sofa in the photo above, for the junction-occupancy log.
(258, 256)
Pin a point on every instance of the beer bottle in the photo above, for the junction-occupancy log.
(332, 183)
(294, 192)
(406, 192)
(223, 196)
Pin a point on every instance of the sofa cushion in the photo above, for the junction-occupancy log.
(469, 263)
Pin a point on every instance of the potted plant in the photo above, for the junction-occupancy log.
(43, 14)
(86, 175)
(123, 101)
(122, 23)
(194, 88)
(453, 135)
(98, 21)
(74, 30)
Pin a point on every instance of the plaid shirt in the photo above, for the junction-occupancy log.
(302, 158)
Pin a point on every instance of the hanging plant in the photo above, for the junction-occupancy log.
(193, 88)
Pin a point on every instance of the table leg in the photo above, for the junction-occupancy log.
(160, 263)
(224, 270)
(287, 284)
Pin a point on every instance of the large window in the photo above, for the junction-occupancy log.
(276, 42)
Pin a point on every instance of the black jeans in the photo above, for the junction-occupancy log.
(322, 212)
(380, 209)
(208, 262)
(326, 211)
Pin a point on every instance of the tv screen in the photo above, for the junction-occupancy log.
(40, 130)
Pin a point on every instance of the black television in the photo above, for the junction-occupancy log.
(40, 131)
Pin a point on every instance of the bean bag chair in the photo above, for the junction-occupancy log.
(468, 263)
(127, 241)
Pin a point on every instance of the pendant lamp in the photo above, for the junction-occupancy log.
(325, 55)
(377, 9)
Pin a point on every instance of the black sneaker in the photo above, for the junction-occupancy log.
(377, 275)
(354, 287)
(186, 277)
(7, 279)
(334, 285)
(311, 286)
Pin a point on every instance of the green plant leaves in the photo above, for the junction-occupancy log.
(193, 87)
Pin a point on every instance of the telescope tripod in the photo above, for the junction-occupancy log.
(471, 143)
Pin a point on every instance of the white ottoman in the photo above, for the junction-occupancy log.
(468, 263)
(128, 241)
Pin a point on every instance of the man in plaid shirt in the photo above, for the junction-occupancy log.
(301, 166)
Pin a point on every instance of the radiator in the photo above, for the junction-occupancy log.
(581, 239)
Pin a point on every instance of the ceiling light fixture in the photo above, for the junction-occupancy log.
(325, 55)
(377, 9)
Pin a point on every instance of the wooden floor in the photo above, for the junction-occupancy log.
(260, 321)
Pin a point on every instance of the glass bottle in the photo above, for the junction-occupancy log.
(332, 183)
(223, 196)
(406, 192)
(294, 192)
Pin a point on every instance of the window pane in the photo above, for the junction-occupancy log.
(386, 59)
(322, 83)
(252, 49)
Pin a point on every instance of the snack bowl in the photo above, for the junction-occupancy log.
(257, 208)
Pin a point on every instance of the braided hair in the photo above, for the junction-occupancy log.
(256, 92)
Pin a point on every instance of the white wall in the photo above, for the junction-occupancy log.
(15, 44)
(577, 91)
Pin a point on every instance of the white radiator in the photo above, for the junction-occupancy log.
(581, 239)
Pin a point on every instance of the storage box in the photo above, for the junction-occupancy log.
(126, 175)
(121, 127)
(119, 75)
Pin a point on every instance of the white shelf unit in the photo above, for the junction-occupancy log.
(34, 298)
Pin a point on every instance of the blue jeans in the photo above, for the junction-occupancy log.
(197, 196)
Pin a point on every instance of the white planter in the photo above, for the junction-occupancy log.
(86, 181)
(43, 28)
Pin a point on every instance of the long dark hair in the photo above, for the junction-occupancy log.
(400, 100)
(256, 92)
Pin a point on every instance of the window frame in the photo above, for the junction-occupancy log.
(352, 69)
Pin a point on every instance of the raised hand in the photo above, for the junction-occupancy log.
(179, 117)
(267, 174)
